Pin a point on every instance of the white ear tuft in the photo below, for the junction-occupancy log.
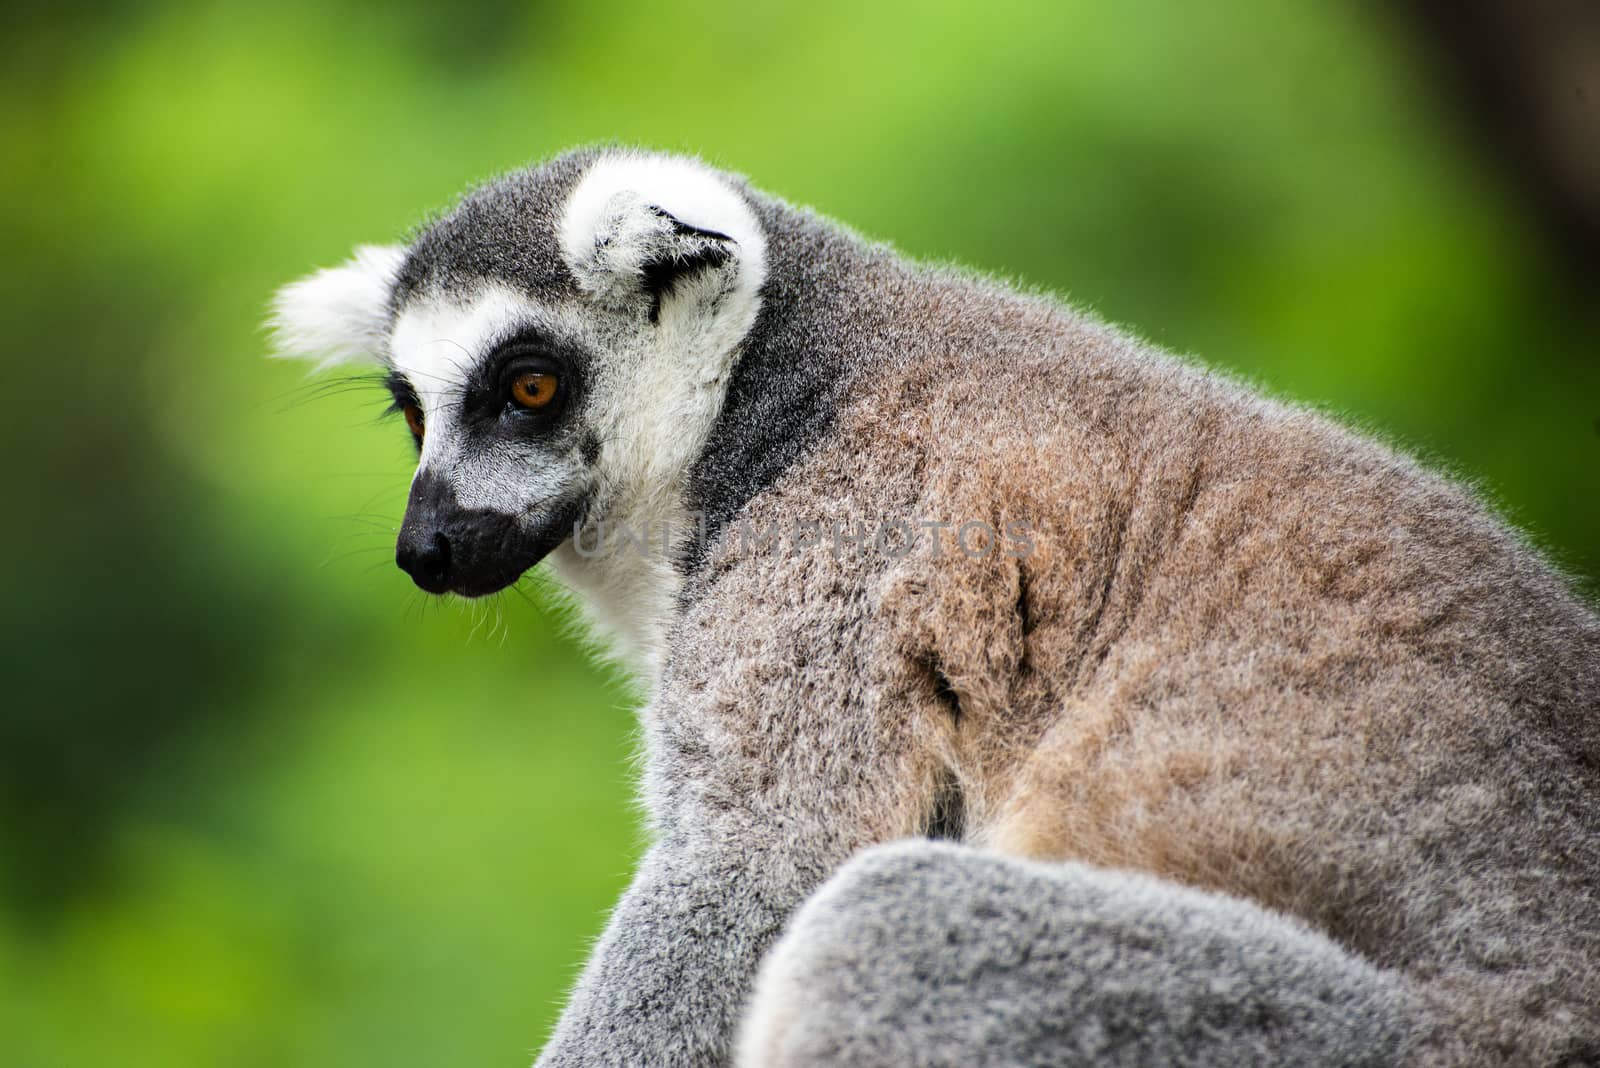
(338, 315)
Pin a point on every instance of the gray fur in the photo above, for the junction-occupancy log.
(936, 956)
(1341, 722)
(504, 230)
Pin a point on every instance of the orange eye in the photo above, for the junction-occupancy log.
(413, 416)
(534, 390)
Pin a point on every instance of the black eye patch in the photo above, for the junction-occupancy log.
(400, 389)
(530, 348)
(483, 396)
(532, 342)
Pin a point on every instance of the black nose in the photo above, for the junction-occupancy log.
(425, 556)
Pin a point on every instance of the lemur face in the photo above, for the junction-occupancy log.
(492, 387)
(559, 346)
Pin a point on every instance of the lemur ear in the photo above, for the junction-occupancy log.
(688, 250)
(338, 315)
(636, 246)
(662, 232)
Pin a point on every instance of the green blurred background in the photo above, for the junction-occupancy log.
(260, 803)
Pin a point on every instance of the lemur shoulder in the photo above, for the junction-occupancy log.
(1017, 693)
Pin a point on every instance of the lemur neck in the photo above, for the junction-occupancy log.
(818, 329)
(628, 594)
(796, 366)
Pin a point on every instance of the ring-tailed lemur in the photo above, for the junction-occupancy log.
(1249, 740)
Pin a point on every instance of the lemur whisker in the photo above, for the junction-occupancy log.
(351, 553)
(307, 391)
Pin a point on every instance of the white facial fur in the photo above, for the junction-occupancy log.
(653, 390)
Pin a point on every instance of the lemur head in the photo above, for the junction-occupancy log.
(559, 345)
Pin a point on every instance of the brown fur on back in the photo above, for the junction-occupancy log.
(1250, 652)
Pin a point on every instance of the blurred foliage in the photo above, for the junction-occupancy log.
(262, 804)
